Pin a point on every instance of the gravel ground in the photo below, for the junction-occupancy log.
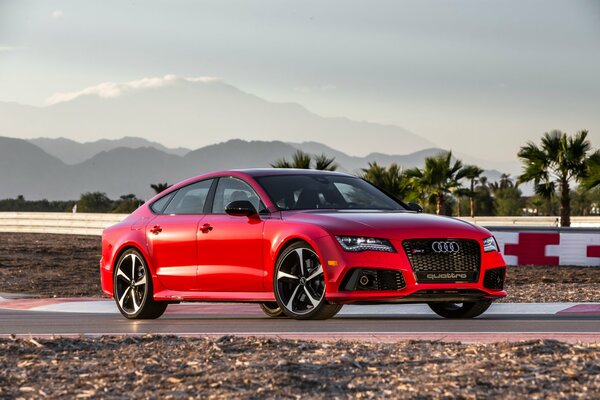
(251, 368)
(50, 265)
(67, 265)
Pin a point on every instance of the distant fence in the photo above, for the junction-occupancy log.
(522, 240)
(576, 222)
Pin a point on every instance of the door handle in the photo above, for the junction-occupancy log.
(206, 228)
(156, 229)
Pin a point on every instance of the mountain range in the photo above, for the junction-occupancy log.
(193, 112)
(140, 121)
(61, 169)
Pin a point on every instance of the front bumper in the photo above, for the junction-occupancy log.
(338, 263)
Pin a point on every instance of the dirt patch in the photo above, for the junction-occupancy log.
(50, 265)
(251, 368)
(547, 284)
(67, 265)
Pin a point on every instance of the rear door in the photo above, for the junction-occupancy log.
(230, 251)
(172, 236)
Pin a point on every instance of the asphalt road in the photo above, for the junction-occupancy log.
(572, 327)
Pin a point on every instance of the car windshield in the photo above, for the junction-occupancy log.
(310, 192)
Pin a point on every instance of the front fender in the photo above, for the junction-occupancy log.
(279, 234)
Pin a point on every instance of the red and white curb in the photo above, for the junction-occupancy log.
(101, 306)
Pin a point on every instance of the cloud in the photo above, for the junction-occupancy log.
(56, 14)
(7, 48)
(112, 89)
(310, 89)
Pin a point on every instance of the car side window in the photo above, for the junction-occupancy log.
(159, 205)
(190, 199)
(233, 189)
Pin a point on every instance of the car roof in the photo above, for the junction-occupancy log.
(250, 172)
(257, 172)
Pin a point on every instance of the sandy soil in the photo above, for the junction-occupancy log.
(250, 368)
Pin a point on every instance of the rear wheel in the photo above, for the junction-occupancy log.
(272, 309)
(133, 290)
(460, 310)
(299, 284)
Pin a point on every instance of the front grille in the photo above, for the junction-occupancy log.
(373, 279)
(494, 278)
(444, 260)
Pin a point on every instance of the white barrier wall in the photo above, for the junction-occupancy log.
(66, 223)
(549, 247)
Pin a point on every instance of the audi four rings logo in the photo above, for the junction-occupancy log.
(445, 247)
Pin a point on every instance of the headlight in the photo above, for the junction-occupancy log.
(490, 244)
(357, 244)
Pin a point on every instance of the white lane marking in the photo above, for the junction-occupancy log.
(88, 307)
(423, 309)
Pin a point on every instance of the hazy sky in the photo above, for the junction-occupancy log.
(477, 76)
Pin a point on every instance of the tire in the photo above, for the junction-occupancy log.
(132, 287)
(272, 309)
(460, 310)
(299, 284)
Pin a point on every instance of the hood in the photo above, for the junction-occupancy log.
(388, 225)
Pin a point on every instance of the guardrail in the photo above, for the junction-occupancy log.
(65, 223)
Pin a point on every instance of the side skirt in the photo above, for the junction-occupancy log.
(248, 297)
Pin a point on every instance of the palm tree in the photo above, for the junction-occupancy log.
(438, 178)
(552, 166)
(304, 160)
(159, 187)
(592, 178)
(472, 174)
(508, 198)
(324, 163)
(505, 182)
(391, 179)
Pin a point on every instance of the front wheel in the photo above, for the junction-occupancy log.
(299, 284)
(460, 310)
(133, 288)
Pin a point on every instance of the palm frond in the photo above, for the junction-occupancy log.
(324, 163)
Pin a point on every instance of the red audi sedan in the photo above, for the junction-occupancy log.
(301, 243)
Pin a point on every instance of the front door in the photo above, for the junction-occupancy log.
(230, 256)
(172, 237)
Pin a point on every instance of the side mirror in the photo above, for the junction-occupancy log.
(241, 208)
(415, 207)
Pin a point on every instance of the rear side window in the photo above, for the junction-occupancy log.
(159, 205)
(190, 199)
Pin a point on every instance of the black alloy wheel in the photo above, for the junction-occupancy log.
(299, 284)
(133, 288)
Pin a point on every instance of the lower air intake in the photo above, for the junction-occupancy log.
(373, 279)
(494, 278)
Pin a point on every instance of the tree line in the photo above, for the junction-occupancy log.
(90, 202)
(564, 171)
